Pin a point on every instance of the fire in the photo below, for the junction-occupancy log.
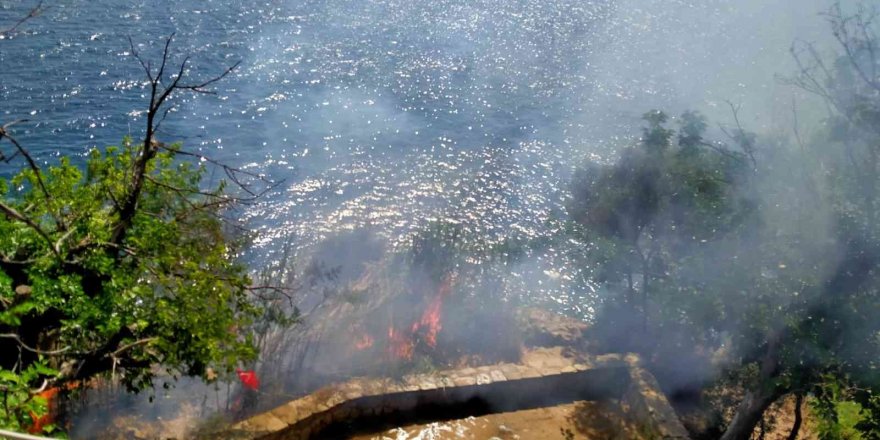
(400, 346)
(51, 395)
(403, 340)
(40, 422)
(430, 321)
(366, 341)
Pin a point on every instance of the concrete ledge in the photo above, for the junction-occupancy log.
(647, 405)
(545, 378)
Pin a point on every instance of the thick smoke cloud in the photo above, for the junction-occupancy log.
(392, 115)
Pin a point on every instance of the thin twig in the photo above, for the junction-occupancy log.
(11, 213)
(740, 137)
(129, 346)
(795, 126)
(157, 111)
(31, 349)
(34, 12)
(38, 174)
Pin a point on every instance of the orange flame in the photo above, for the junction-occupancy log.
(366, 341)
(400, 346)
(39, 423)
(430, 322)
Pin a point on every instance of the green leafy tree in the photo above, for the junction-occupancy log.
(839, 322)
(120, 265)
(650, 215)
(778, 258)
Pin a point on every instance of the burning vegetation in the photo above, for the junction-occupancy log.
(744, 268)
(402, 339)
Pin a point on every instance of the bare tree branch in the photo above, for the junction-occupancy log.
(145, 64)
(234, 174)
(722, 150)
(740, 136)
(810, 67)
(13, 214)
(38, 174)
(287, 293)
(21, 343)
(165, 53)
(134, 344)
(796, 126)
(842, 27)
(201, 87)
(156, 113)
(34, 12)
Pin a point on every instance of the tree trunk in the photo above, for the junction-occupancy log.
(798, 417)
(749, 413)
(751, 410)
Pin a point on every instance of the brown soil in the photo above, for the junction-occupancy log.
(780, 418)
(135, 427)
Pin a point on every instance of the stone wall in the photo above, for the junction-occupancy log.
(647, 406)
(546, 377)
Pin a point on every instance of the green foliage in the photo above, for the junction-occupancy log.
(770, 262)
(838, 417)
(651, 218)
(170, 293)
(19, 404)
(657, 188)
(868, 420)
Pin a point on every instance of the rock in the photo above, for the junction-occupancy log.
(445, 382)
(464, 381)
(543, 328)
(267, 422)
(288, 413)
(427, 384)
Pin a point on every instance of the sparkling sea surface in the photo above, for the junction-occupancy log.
(393, 114)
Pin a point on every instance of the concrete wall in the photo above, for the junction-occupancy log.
(546, 378)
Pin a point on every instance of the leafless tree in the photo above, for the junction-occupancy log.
(850, 87)
(163, 84)
(844, 81)
(742, 138)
